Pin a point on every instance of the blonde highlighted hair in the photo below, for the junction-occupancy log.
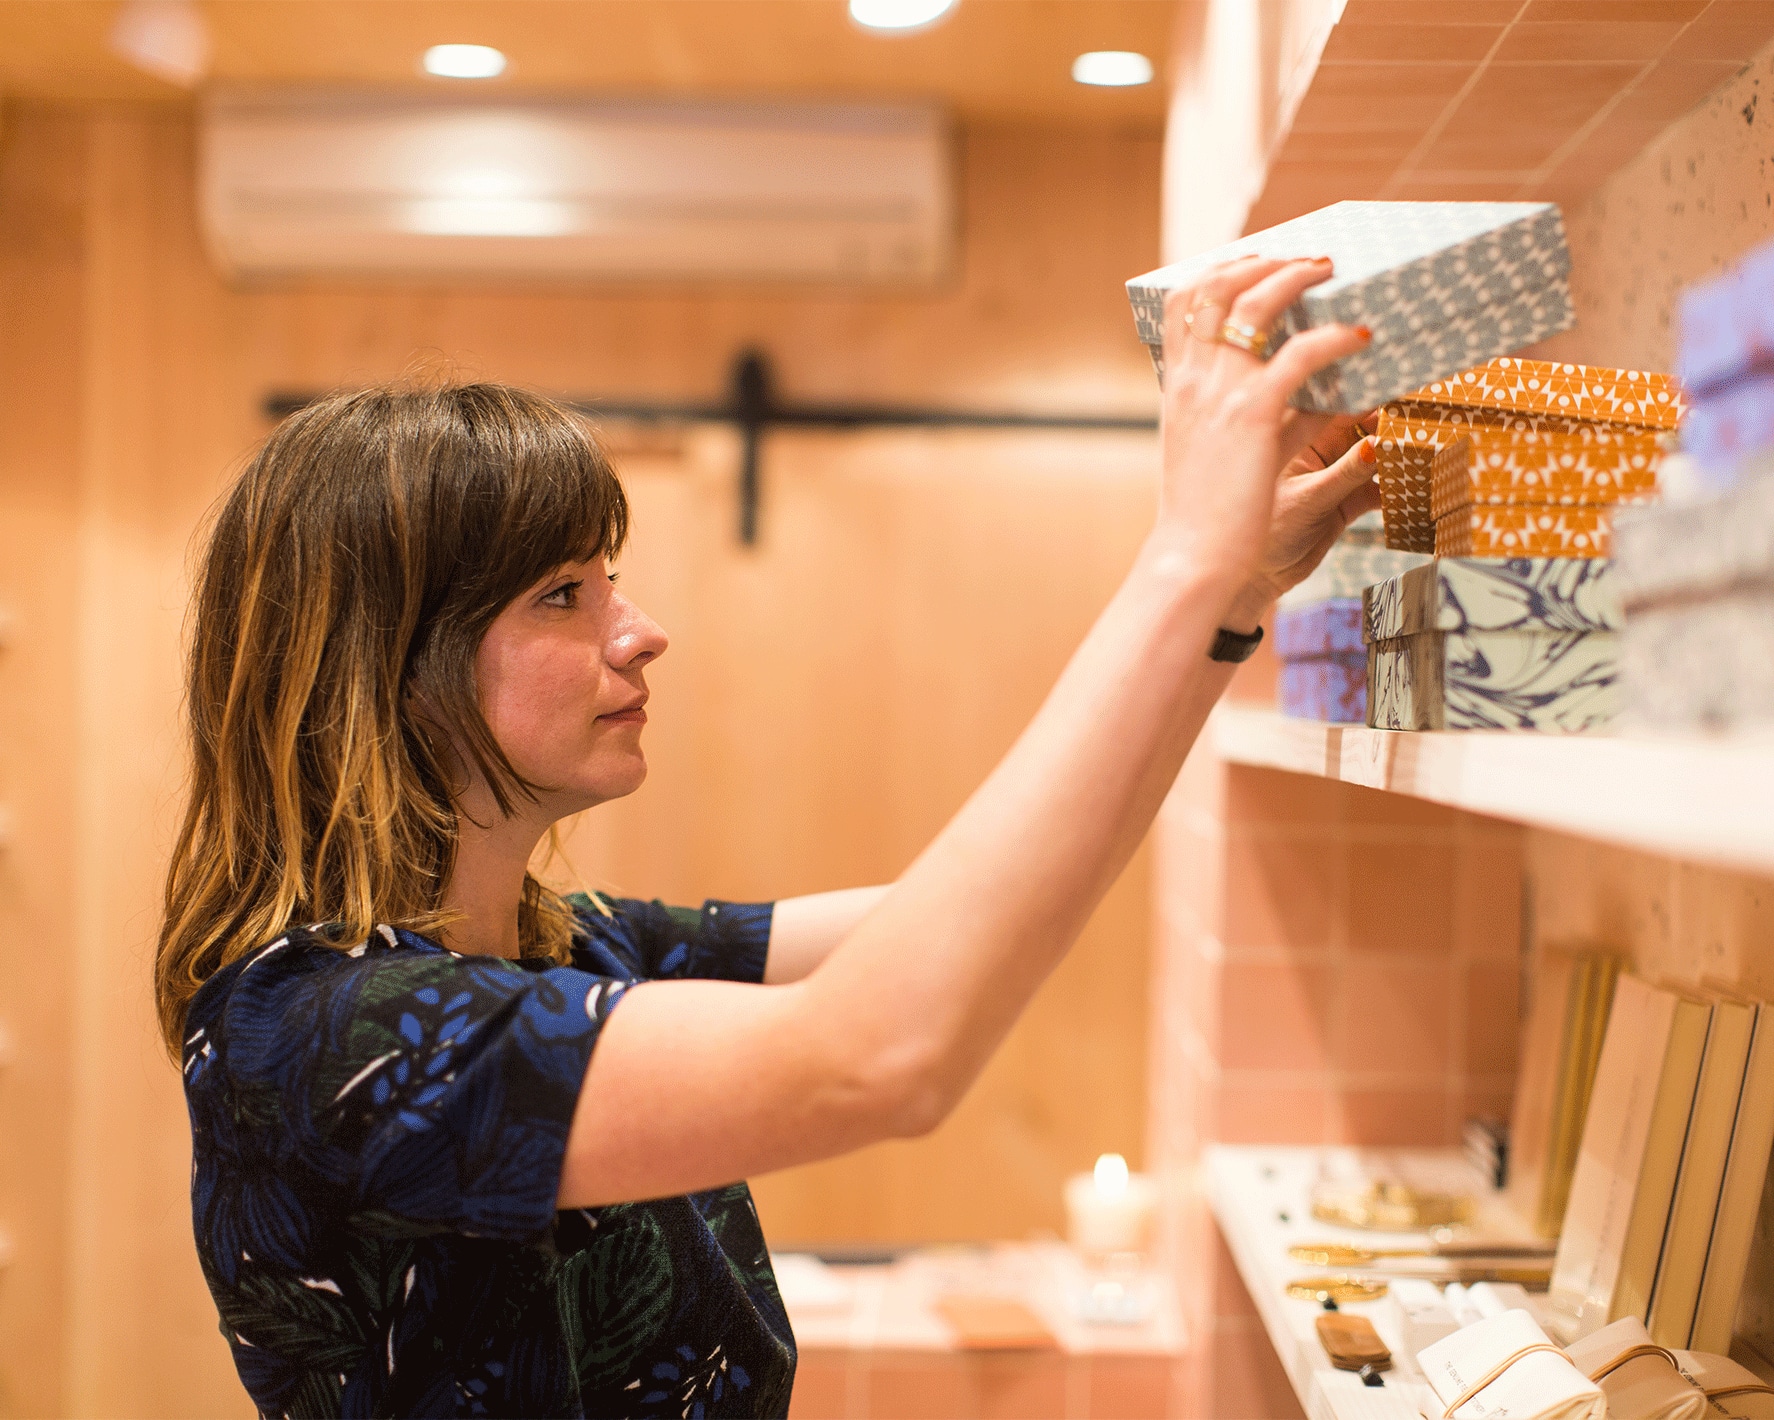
(351, 573)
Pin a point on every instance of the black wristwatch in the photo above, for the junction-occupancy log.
(1234, 646)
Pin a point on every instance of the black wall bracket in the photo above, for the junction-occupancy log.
(753, 406)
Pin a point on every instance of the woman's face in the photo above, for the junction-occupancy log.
(561, 679)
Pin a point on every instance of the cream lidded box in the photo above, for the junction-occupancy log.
(1494, 644)
(1443, 286)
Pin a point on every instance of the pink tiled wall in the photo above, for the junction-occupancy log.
(1333, 965)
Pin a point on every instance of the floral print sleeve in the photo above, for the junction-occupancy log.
(725, 941)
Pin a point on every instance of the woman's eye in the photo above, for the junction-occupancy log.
(565, 595)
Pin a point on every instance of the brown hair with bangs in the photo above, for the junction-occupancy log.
(352, 570)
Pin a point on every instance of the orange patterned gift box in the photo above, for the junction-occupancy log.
(1525, 395)
(1524, 530)
(1409, 436)
(1489, 466)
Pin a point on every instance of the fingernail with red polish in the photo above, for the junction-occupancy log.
(1365, 334)
(1368, 453)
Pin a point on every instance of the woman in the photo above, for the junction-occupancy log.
(418, 1188)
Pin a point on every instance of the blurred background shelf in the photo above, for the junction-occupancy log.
(1701, 799)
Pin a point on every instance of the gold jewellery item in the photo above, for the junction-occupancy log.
(1340, 1288)
(1234, 333)
(1246, 338)
(1389, 1207)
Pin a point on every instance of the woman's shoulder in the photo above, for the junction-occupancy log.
(305, 969)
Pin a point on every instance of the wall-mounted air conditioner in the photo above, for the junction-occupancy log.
(666, 191)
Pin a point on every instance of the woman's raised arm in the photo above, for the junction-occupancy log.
(698, 1083)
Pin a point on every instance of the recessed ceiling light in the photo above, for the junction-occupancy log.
(1112, 68)
(898, 14)
(464, 61)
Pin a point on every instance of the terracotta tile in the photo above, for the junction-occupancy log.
(1487, 900)
(1231, 1297)
(1493, 1018)
(1252, 1111)
(1129, 1387)
(1248, 1380)
(820, 1386)
(1273, 798)
(1376, 148)
(915, 1386)
(1378, 1118)
(1518, 115)
(1486, 1099)
(1585, 40)
(1281, 892)
(1586, 11)
(1458, 187)
(1374, 808)
(1431, 12)
(1731, 29)
(1353, 98)
(1191, 880)
(1400, 898)
(1395, 1014)
(1673, 87)
(1017, 1387)
(1355, 41)
(1275, 1017)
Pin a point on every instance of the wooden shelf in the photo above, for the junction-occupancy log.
(1702, 799)
(1261, 1198)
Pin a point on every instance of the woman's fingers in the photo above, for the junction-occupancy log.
(1309, 352)
(1193, 314)
(1260, 304)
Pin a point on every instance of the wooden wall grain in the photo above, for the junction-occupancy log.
(829, 698)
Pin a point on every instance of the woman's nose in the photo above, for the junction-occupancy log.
(638, 638)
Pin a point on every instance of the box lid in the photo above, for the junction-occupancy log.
(1587, 392)
(1696, 549)
(1536, 594)
(1449, 282)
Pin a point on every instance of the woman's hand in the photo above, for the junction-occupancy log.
(1229, 438)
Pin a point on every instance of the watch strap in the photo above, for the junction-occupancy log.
(1234, 646)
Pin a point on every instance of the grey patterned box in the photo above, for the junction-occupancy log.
(1494, 644)
(1442, 285)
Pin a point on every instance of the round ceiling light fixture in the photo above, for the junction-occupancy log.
(1112, 68)
(463, 61)
(898, 14)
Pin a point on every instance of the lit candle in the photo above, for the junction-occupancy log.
(1109, 1209)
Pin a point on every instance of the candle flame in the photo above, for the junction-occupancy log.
(1111, 1175)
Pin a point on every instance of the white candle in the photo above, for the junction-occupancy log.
(1109, 1209)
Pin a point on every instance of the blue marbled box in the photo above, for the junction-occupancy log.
(1323, 661)
(1332, 688)
(1494, 644)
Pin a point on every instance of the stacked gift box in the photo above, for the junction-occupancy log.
(1318, 626)
(1521, 458)
(1526, 643)
(1697, 576)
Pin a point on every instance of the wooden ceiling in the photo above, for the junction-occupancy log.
(1499, 99)
(993, 61)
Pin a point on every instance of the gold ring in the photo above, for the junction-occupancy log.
(1246, 338)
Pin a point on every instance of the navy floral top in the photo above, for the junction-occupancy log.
(378, 1137)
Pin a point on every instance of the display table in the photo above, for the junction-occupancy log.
(873, 1344)
(1261, 1197)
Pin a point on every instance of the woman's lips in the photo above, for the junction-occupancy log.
(636, 716)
